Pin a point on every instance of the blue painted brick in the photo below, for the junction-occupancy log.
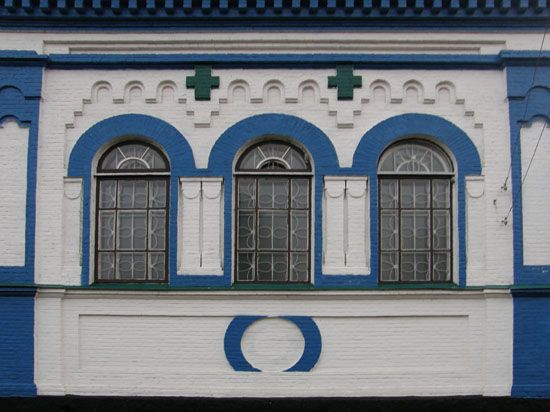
(16, 342)
(531, 344)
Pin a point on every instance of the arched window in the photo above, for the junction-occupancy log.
(132, 214)
(415, 206)
(273, 213)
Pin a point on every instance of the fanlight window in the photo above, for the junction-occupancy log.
(133, 157)
(415, 206)
(273, 215)
(417, 158)
(132, 215)
(273, 156)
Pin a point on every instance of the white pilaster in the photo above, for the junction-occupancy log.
(346, 225)
(201, 226)
(72, 230)
(475, 230)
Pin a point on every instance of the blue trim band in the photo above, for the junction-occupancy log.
(252, 61)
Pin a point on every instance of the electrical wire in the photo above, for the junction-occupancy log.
(505, 220)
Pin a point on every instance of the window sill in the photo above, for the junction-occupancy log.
(390, 286)
(130, 286)
(272, 286)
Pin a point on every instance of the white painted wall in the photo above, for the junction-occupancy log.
(73, 101)
(14, 142)
(374, 343)
(535, 195)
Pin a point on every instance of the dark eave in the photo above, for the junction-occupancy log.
(271, 14)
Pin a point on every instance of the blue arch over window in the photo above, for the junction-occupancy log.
(296, 130)
(151, 129)
(373, 143)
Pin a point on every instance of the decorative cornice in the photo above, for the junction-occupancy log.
(269, 13)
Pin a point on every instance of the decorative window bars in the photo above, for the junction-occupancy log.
(415, 213)
(132, 182)
(273, 215)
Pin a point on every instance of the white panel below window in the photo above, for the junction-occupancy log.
(535, 194)
(200, 228)
(346, 226)
(14, 142)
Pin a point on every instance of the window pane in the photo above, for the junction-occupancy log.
(299, 229)
(298, 267)
(132, 230)
(131, 266)
(157, 193)
(106, 229)
(415, 267)
(246, 263)
(389, 267)
(388, 193)
(300, 194)
(273, 267)
(132, 194)
(415, 194)
(272, 230)
(252, 159)
(107, 194)
(415, 230)
(153, 159)
(296, 160)
(441, 193)
(442, 266)
(274, 149)
(247, 230)
(273, 193)
(157, 229)
(247, 193)
(157, 262)
(106, 266)
(441, 229)
(389, 239)
(272, 223)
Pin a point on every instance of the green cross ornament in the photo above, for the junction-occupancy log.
(345, 81)
(202, 82)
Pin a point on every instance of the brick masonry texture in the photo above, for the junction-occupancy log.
(74, 338)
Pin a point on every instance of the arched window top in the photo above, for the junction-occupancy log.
(133, 157)
(273, 156)
(414, 157)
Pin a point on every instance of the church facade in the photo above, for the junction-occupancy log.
(274, 198)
